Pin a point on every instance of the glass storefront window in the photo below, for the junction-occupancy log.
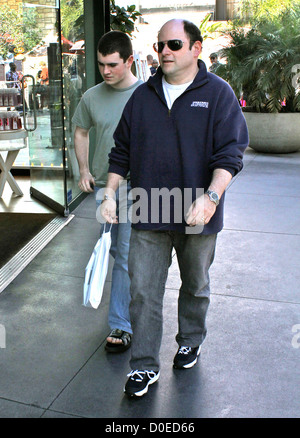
(74, 81)
(50, 55)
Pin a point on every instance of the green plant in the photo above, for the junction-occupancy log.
(72, 19)
(123, 19)
(257, 10)
(18, 30)
(207, 28)
(260, 63)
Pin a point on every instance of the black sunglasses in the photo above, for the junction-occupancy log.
(173, 45)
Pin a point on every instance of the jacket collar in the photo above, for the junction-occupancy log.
(200, 79)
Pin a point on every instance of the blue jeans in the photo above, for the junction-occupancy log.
(118, 315)
(149, 260)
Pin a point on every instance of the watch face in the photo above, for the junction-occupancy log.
(214, 197)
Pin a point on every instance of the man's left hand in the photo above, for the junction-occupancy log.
(201, 211)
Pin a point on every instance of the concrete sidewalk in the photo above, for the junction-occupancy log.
(54, 363)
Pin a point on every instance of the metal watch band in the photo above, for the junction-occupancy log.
(213, 196)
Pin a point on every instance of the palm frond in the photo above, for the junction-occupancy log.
(260, 60)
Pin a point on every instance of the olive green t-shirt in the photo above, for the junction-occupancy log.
(101, 107)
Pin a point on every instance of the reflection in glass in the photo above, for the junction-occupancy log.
(46, 42)
(74, 81)
(56, 65)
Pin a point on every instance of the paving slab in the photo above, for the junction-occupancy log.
(49, 335)
(246, 368)
(254, 265)
(54, 364)
(69, 252)
(12, 409)
(256, 212)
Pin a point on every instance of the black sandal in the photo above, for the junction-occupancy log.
(118, 348)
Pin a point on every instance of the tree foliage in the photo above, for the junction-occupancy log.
(19, 31)
(72, 19)
(267, 10)
(207, 28)
(123, 19)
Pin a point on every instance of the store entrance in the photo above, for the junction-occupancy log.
(52, 79)
(44, 122)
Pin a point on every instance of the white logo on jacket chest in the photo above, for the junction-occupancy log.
(200, 104)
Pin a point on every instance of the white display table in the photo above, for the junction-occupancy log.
(12, 152)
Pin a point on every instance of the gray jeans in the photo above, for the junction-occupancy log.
(149, 260)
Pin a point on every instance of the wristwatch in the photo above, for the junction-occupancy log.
(213, 196)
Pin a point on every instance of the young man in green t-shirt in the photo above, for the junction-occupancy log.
(101, 108)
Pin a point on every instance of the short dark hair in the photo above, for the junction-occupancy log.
(192, 31)
(115, 41)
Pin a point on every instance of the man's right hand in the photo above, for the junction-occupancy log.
(86, 182)
(108, 209)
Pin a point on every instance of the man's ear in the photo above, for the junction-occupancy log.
(130, 61)
(197, 47)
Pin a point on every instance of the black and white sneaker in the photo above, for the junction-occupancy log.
(139, 381)
(186, 357)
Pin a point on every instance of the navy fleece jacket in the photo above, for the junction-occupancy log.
(179, 148)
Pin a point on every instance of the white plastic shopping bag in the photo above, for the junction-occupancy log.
(96, 271)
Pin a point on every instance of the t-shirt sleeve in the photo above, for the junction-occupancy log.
(82, 116)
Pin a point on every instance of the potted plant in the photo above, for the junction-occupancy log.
(262, 63)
